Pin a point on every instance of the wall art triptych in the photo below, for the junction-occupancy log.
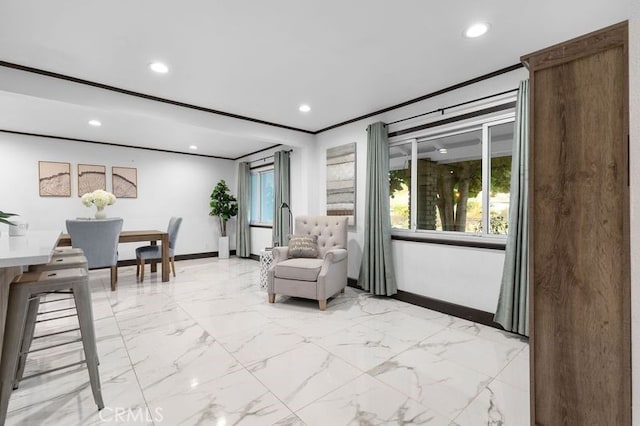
(55, 179)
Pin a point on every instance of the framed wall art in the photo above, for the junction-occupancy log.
(341, 181)
(125, 182)
(90, 178)
(54, 179)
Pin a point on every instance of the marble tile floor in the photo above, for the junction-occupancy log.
(207, 349)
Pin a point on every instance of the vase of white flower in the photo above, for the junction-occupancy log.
(100, 199)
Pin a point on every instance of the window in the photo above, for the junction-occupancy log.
(262, 196)
(453, 179)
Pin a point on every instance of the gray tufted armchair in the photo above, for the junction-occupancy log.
(312, 278)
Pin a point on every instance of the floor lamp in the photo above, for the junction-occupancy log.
(286, 206)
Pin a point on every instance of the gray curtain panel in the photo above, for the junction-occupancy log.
(282, 189)
(243, 231)
(376, 271)
(513, 305)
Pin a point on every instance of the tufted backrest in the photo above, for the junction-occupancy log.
(331, 231)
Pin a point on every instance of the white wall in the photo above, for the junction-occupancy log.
(634, 115)
(465, 276)
(474, 274)
(168, 185)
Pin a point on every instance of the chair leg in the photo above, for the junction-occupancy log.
(272, 297)
(142, 262)
(173, 267)
(27, 339)
(137, 267)
(114, 278)
(342, 291)
(85, 318)
(16, 318)
(322, 304)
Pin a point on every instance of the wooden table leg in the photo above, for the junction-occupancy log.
(154, 263)
(165, 257)
(6, 276)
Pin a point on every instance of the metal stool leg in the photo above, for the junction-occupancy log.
(16, 318)
(85, 318)
(27, 339)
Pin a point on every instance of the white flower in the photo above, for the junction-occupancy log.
(87, 200)
(98, 198)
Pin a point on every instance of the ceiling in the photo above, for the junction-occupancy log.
(256, 59)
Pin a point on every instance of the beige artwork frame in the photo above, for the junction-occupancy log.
(91, 177)
(341, 181)
(54, 179)
(124, 182)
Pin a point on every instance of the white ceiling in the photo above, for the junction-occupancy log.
(259, 59)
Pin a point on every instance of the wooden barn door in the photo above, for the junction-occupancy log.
(579, 205)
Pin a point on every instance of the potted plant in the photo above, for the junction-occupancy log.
(224, 206)
(4, 216)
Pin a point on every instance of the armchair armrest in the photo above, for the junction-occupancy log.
(335, 255)
(280, 254)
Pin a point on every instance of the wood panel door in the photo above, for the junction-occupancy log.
(579, 247)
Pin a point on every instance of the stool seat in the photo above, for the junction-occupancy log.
(50, 280)
(67, 251)
(24, 300)
(65, 262)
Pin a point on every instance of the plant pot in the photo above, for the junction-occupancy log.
(223, 247)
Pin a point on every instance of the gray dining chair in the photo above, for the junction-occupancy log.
(155, 252)
(98, 239)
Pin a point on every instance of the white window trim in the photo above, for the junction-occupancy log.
(438, 132)
(257, 171)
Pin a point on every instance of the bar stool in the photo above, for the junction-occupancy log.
(22, 293)
(58, 261)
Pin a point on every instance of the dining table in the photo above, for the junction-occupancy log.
(16, 253)
(153, 236)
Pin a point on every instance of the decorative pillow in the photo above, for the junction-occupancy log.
(303, 246)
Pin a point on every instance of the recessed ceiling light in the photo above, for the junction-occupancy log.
(442, 150)
(159, 67)
(95, 123)
(476, 30)
(304, 108)
(194, 147)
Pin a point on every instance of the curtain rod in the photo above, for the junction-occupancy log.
(442, 110)
(267, 157)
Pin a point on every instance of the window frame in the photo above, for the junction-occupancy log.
(482, 123)
(259, 171)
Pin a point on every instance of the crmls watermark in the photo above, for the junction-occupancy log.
(129, 415)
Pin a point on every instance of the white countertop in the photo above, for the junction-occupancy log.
(32, 249)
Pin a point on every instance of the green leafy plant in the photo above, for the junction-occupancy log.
(4, 216)
(223, 205)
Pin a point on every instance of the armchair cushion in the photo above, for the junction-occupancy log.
(299, 269)
(303, 246)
